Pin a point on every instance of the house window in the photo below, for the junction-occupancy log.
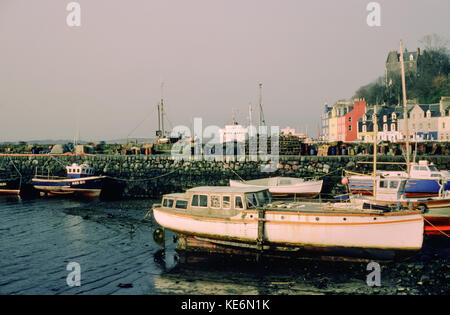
(428, 114)
(420, 126)
(385, 127)
(392, 127)
(394, 116)
(349, 119)
(364, 128)
(443, 125)
(384, 118)
(350, 128)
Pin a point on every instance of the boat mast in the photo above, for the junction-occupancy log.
(162, 110)
(159, 118)
(250, 120)
(405, 109)
(375, 136)
(262, 122)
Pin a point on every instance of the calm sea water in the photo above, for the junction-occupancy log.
(117, 255)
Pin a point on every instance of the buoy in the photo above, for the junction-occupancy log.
(159, 237)
(344, 181)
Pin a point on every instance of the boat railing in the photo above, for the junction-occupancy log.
(48, 177)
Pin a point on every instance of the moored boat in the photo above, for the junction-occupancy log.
(80, 181)
(284, 186)
(10, 185)
(391, 190)
(244, 218)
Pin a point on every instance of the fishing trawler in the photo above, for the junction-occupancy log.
(284, 186)
(241, 219)
(80, 181)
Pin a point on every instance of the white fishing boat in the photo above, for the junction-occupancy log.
(284, 186)
(244, 218)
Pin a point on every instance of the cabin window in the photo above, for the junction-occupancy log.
(181, 204)
(251, 200)
(215, 201)
(226, 202)
(168, 203)
(424, 168)
(393, 184)
(433, 168)
(238, 202)
(194, 202)
(384, 184)
(203, 201)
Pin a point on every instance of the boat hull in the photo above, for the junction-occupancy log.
(10, 186)
(87, 186)
(303, 230)
(422, 188)
(307, 189)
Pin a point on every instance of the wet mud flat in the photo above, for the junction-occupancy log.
(427, 273)
(114, 245)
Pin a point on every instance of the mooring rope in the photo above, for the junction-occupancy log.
(143, 179)
(18, 172)
(436, 227)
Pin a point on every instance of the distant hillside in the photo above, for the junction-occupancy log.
(427, 85)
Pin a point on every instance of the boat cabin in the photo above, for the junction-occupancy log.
(423, 169)
(390, 188)
(79, 171)
(217, 200)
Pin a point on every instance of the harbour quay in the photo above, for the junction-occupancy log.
(150, 176)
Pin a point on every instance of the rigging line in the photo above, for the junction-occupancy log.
(436, 228)
(17, 170)
(141, 122)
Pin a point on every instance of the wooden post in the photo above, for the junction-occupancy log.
(261, 221)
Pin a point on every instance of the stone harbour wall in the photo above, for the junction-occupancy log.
(136, 176)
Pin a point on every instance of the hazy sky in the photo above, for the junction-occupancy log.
(211, 55)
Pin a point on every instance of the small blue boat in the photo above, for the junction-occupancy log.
(80, 181)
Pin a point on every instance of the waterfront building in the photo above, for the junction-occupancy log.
(423, 121)
(351, 120)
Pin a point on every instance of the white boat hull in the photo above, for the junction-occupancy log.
(387, 232)
(307, 189)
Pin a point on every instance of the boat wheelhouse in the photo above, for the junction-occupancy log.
(219, 218)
